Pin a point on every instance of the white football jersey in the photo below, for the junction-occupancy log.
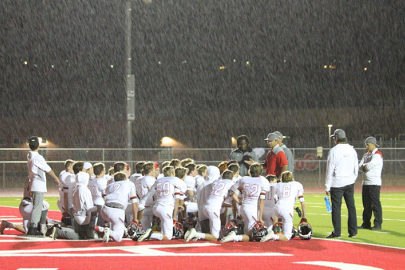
(166, 189)
(252, 188)
(37, 167)
(199, 180)
(190, 182)
(121, 192)
(287, 193)
(97, 187)
(143, 186)
(70, 182)
(220, 190)
(269, 202)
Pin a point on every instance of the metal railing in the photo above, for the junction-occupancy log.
(310, 163)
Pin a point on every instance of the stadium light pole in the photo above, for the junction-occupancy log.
(329, 126)
(130, 80)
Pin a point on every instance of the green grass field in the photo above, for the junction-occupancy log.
(393, 204)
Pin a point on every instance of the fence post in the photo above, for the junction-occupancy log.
(4, 176)
(319, 169)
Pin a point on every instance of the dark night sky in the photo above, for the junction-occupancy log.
(178, 47)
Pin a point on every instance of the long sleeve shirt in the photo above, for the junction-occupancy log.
(342, 166)
(373, 164)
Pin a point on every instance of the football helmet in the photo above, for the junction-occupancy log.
(178, 231)
(258, 231)
(189, 222)
(304, 230)
(234, 225)
(135, 230)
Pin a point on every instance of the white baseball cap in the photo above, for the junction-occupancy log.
(87, 165)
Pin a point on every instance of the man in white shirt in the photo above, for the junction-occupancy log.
(341, 173)
(254, 189)
(143, 185)
(220, 191)
(37, 167)
(371, 165)
(119, 194)
(167, 191)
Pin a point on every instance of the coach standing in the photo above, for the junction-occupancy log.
(37, 167)
(371, 165)
(341, 173)
(276, 161)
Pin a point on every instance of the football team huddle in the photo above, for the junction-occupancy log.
(183, 200)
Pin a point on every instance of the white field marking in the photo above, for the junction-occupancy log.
(37, 268)
(130, 251)
(382, 232)
(360, 217)
(8, 217)
(358, 243)
(340, 265)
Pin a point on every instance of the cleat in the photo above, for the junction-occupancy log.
(353, 236)
(230, 237)
(267, 237)
(333, 235)
(33, 232)
(4, 225)
(54, 233)
(364, 227)
(376, 228)
(190, 234)
(145, 236)
(106, 236)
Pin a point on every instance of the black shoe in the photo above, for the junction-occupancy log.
(364, 227)
(352, 236)
(32, 231)
(50, 230)
(376, 228)
(333, 235)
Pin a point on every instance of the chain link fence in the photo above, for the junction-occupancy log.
(310, 163)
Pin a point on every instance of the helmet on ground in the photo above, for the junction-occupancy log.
(234, 225)
(178, 231)
(258, 231)
(135, 230)
(304, 230)
(189, 222)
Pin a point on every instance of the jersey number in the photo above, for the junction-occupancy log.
(217, 188)
(163, 189)
(250, 190)
(286, 191)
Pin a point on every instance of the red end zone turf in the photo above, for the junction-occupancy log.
(175, 254)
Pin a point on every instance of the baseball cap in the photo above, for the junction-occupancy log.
(33, 140)
(339, 133)
(279, 134)
(271, 137)
(87, 165)
(371, 140)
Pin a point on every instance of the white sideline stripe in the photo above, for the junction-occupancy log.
(8, 217)
(128, 251)
(37, 268)
(360, 217)
(340, 265)
(358, 243)
(167, 254)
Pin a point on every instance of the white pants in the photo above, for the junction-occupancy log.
(287, 216)
(249, 214)
(165, 213)
(116, 217)
(26, 210)
(268, 216)
(215, 221)
(147, 218)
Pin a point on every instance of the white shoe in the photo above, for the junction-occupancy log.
(230, 237)
(4, 225)
(106, 236)
(145, 236)
(267, 237)
(190, 234)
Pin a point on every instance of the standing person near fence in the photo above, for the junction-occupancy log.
(371, 165)
(276, 161)
(341, 173)
(37, 167)
(244, 155)
(289, 155)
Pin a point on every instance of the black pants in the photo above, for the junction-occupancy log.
(336, 194)
(371, 204)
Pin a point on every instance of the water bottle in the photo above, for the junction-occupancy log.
(327, 203)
